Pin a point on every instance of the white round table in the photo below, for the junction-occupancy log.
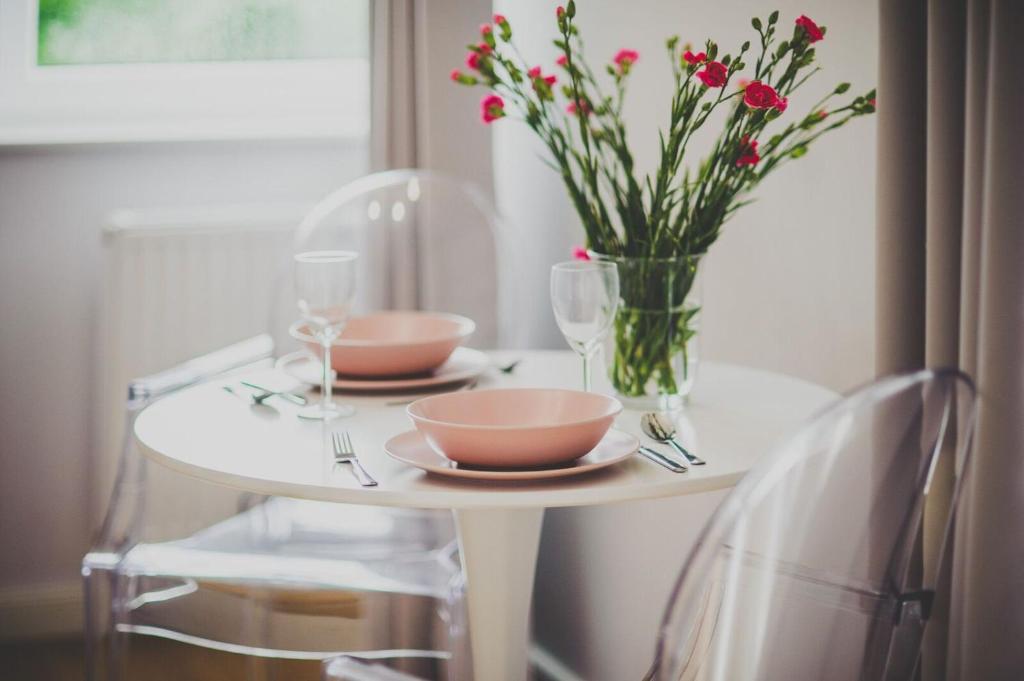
(735, 414)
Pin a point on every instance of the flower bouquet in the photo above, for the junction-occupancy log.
(656, 227)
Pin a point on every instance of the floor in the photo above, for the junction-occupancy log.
(153, 660)
(161, 660)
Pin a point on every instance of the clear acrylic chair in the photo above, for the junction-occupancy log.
(426, 241)
(285, 579)
(260, 579)
(349, 668)
(812, 567)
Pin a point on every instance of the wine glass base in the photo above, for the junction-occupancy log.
(329, 412)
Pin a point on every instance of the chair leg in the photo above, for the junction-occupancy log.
(99, 631)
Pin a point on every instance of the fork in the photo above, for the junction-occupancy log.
(344, 452)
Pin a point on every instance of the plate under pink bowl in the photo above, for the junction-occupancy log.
(514, 427)
(393, 343)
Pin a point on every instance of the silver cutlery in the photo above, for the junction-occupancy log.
(344, 452)
(248, 399)
(267, 393)
(510, 367)
(663, 460)
(662, 430)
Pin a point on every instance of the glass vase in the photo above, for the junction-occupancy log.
(651, 353)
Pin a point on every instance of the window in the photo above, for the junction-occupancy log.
(96, 70)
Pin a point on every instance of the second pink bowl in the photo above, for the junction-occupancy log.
(393, 343)
(514, 427)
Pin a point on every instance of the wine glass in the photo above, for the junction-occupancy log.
(325, 283)
(584, 296)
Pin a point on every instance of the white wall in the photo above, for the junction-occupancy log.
(52, 204)
(788, 287)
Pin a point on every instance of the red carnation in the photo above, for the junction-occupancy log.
(580, 253)
(748, 152)
(625, 58)
(500, 19)
(757, 95)
(455, 75)
(693, 59)
(814, 34)
(562, 60)
(473, 61)
(485, 29)
(492, 107)
(559, 11)
(714, 74)
(781, 105)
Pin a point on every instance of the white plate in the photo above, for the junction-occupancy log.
(412, 448)
(465, 364)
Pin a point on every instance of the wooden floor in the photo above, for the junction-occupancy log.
(152, 660)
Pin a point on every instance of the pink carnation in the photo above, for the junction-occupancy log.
(492, 107)
(580, 253)
(625, 58)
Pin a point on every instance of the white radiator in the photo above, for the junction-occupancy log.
(178, 284)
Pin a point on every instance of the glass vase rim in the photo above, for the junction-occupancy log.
(596, 255)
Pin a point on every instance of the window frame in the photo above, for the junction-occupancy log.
(293, 99)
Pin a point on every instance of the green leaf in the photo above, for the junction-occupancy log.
(783, 48)
(841, 88)
(672, 42)
(799, 151)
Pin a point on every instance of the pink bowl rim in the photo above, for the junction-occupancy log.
(466, 328)
(617, 409)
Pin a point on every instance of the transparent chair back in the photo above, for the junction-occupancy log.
(426, 241)
(812, 567)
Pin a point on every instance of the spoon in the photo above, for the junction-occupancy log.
(664, 431)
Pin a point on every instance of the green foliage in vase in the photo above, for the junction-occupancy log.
(676, 211)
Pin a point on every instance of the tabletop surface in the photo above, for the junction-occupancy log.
(734, 415)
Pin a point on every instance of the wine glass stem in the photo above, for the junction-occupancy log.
(586, 372)
(328, 384)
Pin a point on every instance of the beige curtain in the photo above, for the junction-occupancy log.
(395, 84)
(950, 290)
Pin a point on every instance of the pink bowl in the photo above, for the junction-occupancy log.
(393, 343)
(514, 427)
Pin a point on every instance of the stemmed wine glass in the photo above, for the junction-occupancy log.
(584, 296)
(325, 284)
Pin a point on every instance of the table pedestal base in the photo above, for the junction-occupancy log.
(499, 555)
